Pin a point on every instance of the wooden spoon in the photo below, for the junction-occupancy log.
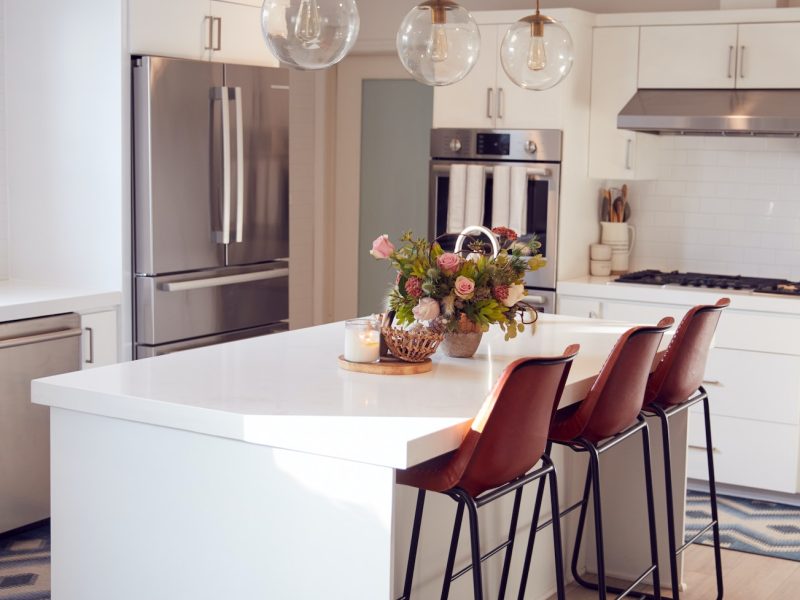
(618, 210)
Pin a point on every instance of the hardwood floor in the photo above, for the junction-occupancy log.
(747, 577)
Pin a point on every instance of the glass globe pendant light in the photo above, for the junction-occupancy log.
(536, 52)
(310, 34)
(438, 42)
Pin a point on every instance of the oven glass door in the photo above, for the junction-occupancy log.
(541, 215)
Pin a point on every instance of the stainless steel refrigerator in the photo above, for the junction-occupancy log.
(211, 203)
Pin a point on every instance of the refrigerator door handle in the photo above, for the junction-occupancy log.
(209, 282)
(223, 95)
(239, 166)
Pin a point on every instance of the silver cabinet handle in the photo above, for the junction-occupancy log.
(730, 62)
(210, 282)
(501, 102)
(714, 449)
(239, 165)
(42, 337)
(209, 24)
(218, 46)
(741, 63)
(540, 300)
(90, 360)
(712, 381)
(628, 146)
(489, 98)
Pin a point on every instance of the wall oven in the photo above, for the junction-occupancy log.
(534, 156)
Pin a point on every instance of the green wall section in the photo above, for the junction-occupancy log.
(395, 139)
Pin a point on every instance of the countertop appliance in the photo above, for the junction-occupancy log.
(29, 349)
(760, 285)
(539, 152)
(211, 209)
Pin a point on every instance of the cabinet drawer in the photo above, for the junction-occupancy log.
(760, 332)
(644, 314)
(578, 307)
(747, 453)
(754, 385)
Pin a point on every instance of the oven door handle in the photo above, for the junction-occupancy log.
(532, 172)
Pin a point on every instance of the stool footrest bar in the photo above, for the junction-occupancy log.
(696, 537)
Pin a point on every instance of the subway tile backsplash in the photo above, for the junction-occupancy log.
(720, 205)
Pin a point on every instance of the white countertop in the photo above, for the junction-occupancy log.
(26, 300)
(607, 288)
(286, 390)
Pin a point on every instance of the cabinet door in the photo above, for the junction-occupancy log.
(238, 37)
(768, 56)
(579, 307)
(688, 56)
(472, 102)
(616, 153)
(178, 28)
(99, 344)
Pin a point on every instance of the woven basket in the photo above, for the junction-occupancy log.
(414, 345)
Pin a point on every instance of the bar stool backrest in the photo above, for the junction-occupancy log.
(680, 372)
(616, 397)
(508, 436)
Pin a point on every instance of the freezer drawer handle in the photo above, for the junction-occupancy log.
(42, 337)
(237, 95)
(199, 284)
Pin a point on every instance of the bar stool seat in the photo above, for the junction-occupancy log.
(608, 415)
(675, 386)
(505, 441)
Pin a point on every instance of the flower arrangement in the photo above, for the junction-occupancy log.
(456, 293)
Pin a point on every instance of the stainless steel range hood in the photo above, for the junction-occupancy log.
(713, 112)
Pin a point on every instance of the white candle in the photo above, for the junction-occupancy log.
(361, 341)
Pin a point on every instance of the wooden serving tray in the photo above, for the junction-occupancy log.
(387, 366)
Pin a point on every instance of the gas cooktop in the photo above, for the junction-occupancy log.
(759, 285)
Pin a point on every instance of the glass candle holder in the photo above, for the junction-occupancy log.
(362, 340)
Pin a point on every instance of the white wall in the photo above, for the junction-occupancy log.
(721, 205)
(67, 173)
(3, 186)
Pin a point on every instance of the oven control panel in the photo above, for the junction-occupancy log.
(512, 145)
(493, 144)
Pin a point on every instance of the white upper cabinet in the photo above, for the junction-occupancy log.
(746, 56)
(616, 153)
(688, 56)
(199, 29)
(487, 98)
(769, 56)
(240, 39)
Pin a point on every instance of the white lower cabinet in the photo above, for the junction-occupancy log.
(99, 346)
(753, 381)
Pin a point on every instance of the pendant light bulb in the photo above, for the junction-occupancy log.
(307, 27)
(438, 42)
(537, 52)
(309, 34)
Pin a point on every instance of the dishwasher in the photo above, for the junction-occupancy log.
(30, 349)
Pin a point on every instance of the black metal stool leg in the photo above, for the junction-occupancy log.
(512, 532)
(412, 551)
(712, 488)
(579, 534)
(451, 557)
(474, 538)
(651, 513)
(594, 467)
(559, 559)
(526, 565)
(672, 543)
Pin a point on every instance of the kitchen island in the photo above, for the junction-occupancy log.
(259, 469)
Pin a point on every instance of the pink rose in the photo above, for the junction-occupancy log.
(465, 287)
(426, 310)
(516, 292)
(382, 247)
(449, 263)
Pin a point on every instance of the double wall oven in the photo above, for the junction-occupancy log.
(538, 153)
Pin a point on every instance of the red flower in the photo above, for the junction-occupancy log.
(500, 292)
(505, 232)
(414, 287)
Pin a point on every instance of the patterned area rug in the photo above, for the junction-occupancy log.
(25, 566)
(753, 526)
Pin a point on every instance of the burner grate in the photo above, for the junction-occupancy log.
(761, 285)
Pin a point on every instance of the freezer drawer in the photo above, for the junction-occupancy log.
(30, 349)
(179, 307)
(149, 351)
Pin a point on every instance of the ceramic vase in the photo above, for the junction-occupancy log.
(461, 345)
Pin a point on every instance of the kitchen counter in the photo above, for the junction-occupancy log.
(26, 300)
(606, 288)
(259, 461)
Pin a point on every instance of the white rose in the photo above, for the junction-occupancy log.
(516, 292)
(426, 310)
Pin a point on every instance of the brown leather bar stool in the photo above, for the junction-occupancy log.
(505, 441)
(676, 385)
(608, 415)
